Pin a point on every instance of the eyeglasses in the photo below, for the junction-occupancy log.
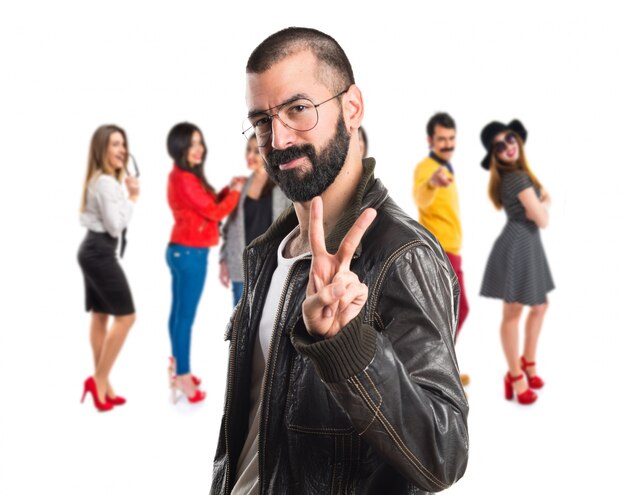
(135, 167)
(501, 146)
(299, 114)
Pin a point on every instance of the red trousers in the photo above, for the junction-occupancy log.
(455, 261)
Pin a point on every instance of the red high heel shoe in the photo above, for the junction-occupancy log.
(196, 380)
(115, 401)
(198, 396)
(90, 386)
(525, 398)
(533, 381)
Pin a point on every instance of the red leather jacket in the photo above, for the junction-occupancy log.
(196, 211)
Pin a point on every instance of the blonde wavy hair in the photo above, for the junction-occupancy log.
(97, 160)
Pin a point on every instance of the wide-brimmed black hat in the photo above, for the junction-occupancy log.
(492, 129)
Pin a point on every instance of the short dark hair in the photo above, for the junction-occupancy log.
(442, 119)
(294, 39)
(178, 144)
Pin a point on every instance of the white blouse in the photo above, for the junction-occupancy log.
(108, 209)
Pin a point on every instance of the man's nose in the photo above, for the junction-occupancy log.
(283, 136)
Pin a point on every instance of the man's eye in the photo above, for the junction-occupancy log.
(260, 122)
(297, 108)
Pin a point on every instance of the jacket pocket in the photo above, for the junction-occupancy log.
(311, 408)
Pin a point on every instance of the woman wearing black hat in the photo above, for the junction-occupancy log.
(517, 270)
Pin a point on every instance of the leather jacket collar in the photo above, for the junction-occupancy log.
(362, 199)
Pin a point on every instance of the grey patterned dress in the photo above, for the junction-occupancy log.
(517, 269)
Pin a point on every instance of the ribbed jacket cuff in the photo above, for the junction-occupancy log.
(339, 357)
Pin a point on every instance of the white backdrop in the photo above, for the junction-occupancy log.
(67, 67)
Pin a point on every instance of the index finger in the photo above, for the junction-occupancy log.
(353, 237)
(317, 241)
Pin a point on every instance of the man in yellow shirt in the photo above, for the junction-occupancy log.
(436, 196)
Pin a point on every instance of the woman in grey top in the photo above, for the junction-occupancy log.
(517, 270)
(259, 205)
(106, 212)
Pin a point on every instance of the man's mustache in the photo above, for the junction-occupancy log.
(278, 157)
(446, 150)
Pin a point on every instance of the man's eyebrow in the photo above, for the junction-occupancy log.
(294, 97)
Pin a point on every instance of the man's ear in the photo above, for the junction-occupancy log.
(352, 103)
(430, 142)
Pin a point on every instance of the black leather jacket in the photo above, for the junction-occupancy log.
(377, 409)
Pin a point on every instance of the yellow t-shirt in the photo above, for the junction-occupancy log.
(438, 207)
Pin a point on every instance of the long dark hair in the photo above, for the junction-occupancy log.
(178, 144)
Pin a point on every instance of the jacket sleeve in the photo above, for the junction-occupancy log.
(400, 385)
(204, 203)
(423, 194)
(223, 193)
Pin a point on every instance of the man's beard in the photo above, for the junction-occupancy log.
(301, 186)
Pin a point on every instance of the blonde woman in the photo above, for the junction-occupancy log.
(105, 212)
(517, 270)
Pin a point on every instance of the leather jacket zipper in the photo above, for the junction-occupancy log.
(269, 368)
(204, 222)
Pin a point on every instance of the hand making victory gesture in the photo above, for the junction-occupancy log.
(334, 294)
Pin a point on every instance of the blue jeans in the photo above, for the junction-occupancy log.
(237, 292)
(188, 266)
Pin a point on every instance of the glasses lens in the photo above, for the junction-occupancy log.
(247, 130)
(499, 147)
(510, 138)
(299, 115)
(258, 127)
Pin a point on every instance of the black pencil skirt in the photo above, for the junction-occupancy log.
(106, 288)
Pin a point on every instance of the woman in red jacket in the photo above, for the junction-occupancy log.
(197, 211)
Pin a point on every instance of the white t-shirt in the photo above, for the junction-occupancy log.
(248, 464)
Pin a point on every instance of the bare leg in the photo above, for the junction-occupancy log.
(509, 334)
(97, 334)
(110, 349)
(534, 321)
